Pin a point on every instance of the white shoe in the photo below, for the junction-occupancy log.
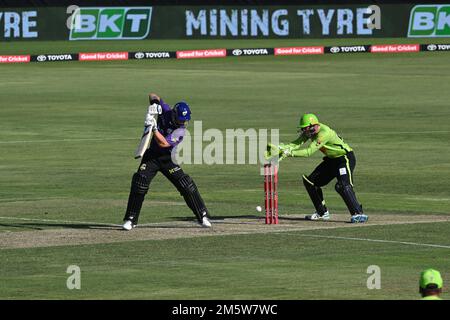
(315, 216)
(359, 218)
(128, 225)
(205, 222)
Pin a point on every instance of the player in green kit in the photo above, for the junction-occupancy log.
(339, 162)
(430, 284)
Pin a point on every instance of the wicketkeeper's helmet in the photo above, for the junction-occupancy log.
(307, 120)
(430, 278)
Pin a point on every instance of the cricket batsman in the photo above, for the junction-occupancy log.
(339, 162)
(168, 132)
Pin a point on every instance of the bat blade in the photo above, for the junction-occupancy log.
(144, 143)
(153, 111)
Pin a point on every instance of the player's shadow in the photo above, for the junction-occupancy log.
(215, 218)
(287, 218)
(256, 218)
(19, 226)
(223, 220)
(46, 226)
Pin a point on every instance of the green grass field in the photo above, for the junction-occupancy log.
(68, 134)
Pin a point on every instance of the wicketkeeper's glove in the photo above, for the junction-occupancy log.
(271, 151)
(284, 151)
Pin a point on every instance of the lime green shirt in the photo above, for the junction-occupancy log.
(431, 298)
(326, 140)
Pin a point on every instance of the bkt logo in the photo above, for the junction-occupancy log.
(110, 23)
(429, 21)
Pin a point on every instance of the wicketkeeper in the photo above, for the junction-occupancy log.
(339, 162)
(430, 284)
(168, 132)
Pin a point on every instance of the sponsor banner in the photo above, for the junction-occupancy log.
(214, 53)
(195, 54)
(233, 21)
(429, 21)
(54, 57)
(250, 52)
(152, 55)
(110, 23)
(394, 48)
(15, 59)
(348, 49)
(33, 23)
(298, 51)
(102, 56)
(435, 47)
(290, 21)
(224, 22)
(17, 24)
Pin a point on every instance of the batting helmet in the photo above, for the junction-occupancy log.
(182, 111)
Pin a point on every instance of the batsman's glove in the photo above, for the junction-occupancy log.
(154, 109)
(150, 121)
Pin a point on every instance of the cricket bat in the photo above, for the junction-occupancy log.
(153, 111)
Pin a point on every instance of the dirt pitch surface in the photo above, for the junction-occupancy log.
(92, 233)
